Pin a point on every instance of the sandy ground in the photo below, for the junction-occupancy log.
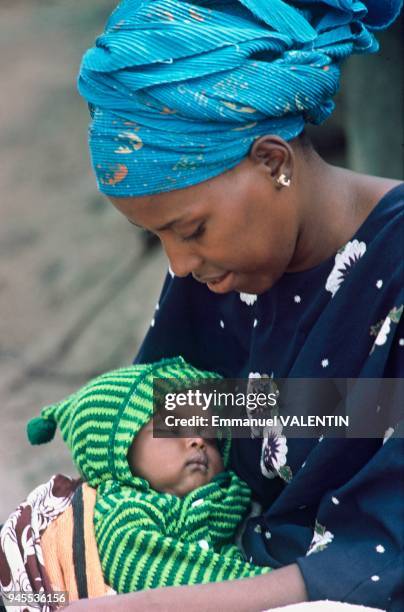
(77, 286)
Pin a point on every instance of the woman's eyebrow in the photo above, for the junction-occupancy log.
(159, 229)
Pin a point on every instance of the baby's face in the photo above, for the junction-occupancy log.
(174, 465)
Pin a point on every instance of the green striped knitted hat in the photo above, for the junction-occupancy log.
(99, 421)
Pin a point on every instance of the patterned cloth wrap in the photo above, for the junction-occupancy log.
(22, 567)
(147, 539)
(178, 91)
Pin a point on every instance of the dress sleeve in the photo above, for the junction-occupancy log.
(356, 554)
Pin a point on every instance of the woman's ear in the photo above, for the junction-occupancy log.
(277, 156)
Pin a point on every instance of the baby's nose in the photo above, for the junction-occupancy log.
(197, 442)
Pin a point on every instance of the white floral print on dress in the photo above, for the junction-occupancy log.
(273, 453)
(345, 259)
(254, 375)
(381, 337)
(382, 329)
(260, 384)
(387, 434)
(248, 298)
(321, 539)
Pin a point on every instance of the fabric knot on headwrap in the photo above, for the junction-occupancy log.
(178, 91)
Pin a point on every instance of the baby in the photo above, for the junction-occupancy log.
(166, 509)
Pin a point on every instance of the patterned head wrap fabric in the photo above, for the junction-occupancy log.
(100, 421)
(179, 90)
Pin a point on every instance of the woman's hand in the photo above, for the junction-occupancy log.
(278, 588)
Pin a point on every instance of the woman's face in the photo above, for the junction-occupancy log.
(235, 232)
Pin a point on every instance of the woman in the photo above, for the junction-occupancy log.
(281, 265)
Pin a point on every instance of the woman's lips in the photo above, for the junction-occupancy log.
(218, 284)
(216, 279)
(222, 284)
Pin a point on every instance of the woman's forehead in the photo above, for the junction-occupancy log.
(162, 208)
(147, 210)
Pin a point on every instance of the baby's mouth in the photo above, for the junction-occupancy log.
(198, 461)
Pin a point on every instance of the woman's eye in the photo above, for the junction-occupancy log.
(196, 234)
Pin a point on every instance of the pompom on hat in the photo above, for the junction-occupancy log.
(99, 421)
(41, 429)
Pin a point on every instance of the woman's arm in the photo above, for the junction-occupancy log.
(278, 588)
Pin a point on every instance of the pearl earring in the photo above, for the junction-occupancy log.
(283, 180)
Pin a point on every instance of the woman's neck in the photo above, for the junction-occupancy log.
(333, 203)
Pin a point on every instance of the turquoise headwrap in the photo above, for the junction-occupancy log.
(178, 91)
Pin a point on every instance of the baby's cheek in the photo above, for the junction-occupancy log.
(217, 463)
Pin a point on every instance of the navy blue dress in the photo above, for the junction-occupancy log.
(333, 506)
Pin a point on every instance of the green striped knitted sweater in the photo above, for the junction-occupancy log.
(146, 539)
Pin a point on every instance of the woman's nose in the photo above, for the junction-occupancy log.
(182, 260)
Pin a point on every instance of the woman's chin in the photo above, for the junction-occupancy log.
(254, 286)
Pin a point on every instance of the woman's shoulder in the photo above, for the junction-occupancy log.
(374, 189)
(384, 200)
